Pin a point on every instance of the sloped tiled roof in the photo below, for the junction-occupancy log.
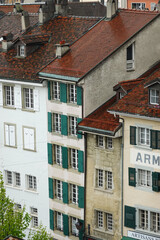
(127, 85)
(38, 38)
(99, 43)
(31, 8)
(100, 119)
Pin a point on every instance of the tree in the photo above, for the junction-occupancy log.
(39, 234)
(12, 222)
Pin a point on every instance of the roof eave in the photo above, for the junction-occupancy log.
(98, 131)
(57, 77)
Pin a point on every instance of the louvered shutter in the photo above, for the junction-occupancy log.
(156, 181)
(130, 217)
(12, 135)
(36, 99)
(80, 197)
(63, 92)
(65, 225)
(64, 125)
(51, 214)
(79, 95)
(50, 153)
(80, 161)
(50, 182)
(49, 122)
(79, 134)
(64, 157)
(49, 90)
(65, 192)
(132, 177)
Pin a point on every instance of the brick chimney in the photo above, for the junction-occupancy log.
(112, 7)
(25, 21)
(62, 48)
(61, 7)
(46, 11)
(7, 41)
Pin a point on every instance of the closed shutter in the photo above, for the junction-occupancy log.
(63, 92)
(36, 99)
(132, 135)
(130, 217)
(1, 95)
(79, 134)
(81, 232)
(12, 135)
(155, 139)
(79, 95)
(64, 157)
(80, 197)
(18, 99)
(51, 214)
(31, 139)
(50, 182)
(65, 225)
(132, 177)
(26, 138)
(156, 181)
(80, 161)
(49, 90)
(65, 192)
(50, 153)
(158, 139)
(64, 125)
(6, 134)
(49, 122)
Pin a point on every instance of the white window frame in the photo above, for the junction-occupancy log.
(72, 93)
(104, 180)
(28, 98)
(9, 99)
(31, 183)
(130, 62)
(100, 141)
(74, 158)
(109, 142)
(10, 134)
(104, 221)
(74, 193)
(59, 221)
(143, 136)
(58, 154)
(59, 189)
(144, 178)
(73, 126)
(22, 50)
(57, 122)
(141, 6)
(12, 179)
(8, 178)
(16, 179)
(74, 230)
(34, 217)
(29, 138)
(55, 91)
(154, 96)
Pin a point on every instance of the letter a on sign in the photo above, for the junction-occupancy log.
(139, 157)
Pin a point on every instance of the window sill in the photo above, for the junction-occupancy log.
(103, 148)
(59, 232)
(70, 169)
(14, 187)
(73, 137)
(29, 150)
(130, 70)
(73, 237)
(31, 191)
(56, 165)
(143, 188)
(28, 110)
(73, 205)
(10, 146)
(73, 104)
(55, 101)
(103, 231)
(104, 190)
(9, 107)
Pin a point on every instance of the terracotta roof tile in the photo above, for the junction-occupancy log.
(31, 8)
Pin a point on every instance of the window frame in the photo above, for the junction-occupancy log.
(8, 142)
(73, 158)
(31, 183)
(142, 5)
(59, 221)
(74, 230)
(29, 146)
(74, 193)
(130, 63)
(34, 217)
(9, 95)
(13, 179)
(143, 135)
(59, 189)
(151, 96)
(104, 180)
(56, 123)
(29, 103)
(55, 90)
(72, 92)
(104, 221)
(73, 126)
(143, 177)
(58, 155)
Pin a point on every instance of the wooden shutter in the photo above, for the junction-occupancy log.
(64, 157)
(63, 92)
(130, 217)
(6, 134)
(132, 135)
(158, 139)
(18, 98)
(51, 214)
(80, 197)
(65, 225)
(50, 182)
(80, 161)
(64, 125)
(49, 122)
(36, 99)
(26, 138)
(65, 192)
(155, 139)
(1, 95)
(156, 181)
(12, 139)
(79, 95)
(49, 90)
(79, 134)
(31, 139)
(132, 177)
(81, 232)
(50, 153)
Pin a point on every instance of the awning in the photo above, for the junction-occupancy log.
(128, 238)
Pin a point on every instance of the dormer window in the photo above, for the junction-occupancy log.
(21, 51)
(154, 96)
(121, 95)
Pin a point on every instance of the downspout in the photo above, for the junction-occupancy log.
(85, 174)
(122, 163)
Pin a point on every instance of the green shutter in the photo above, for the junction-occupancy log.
(81, 232)
(156, 181)
(50, 182)
(79, 134)
(64, 157)
(132, 177)
(80, 197)
(50, 155)
(80, 161)
(130, 217)
(79, 95)
(153, 139)
(49, 90)
(63, 92)
(65, 192)
(49, 122)
(51, 214)
(132, 135)
(64, 125)
(158, 139)
(65, 225)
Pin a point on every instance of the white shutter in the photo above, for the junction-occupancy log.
(12, 135)
(1, 95)
(31, 139)
(6, 134)
(18, 100)
(36, 100)
(26, 138)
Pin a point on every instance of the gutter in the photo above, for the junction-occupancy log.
(60, 77)
(22, 82)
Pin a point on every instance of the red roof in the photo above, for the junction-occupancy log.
(101, 119)
(99, 43)
(127, 85)
(31, 8)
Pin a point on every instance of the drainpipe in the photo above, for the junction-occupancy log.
(122, 163)
(85, 174)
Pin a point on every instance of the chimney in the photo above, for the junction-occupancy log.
(62, 48)
(61, 7)
(25, 21)
(46, 11)
(112, 7)
(7, 41)
(17, 8)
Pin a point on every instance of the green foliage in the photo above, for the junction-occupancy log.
(11, 222)
(39, 234)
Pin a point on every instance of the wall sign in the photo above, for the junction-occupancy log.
(141, 236)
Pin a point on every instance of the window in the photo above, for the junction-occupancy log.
(22, 51)
(104, 179)
(55, 91)
(72, 126)
(104, 221)
(74, 158)
(59, 221)
(29, 139)
(9, 180)
(28, 98)
(144, 178)
(121, 95)
(109, 143)
(144, 136)
(10, 135)
(153, 6)
(17, 206)
(154, 96)
(13, 178)
(74, 193)
(31, 183)
(130, 57)
(74, 230)
(58, 184)
(58, 154)
(104, 142)
(34, 217)
(140, 6)
(56, 122)
(72, 93)
(149, 220)
(100, 141)
(9, 96)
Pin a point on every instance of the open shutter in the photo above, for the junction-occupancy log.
(51, 214)
(50, 153)
(80, 161)
(64, 125)
(130, 217)
(18, 99)
(65, 225)
(1, 95)
(132, 177)
(132, 135)
(79, 95)
(49, 90)
(6, 134)
(81, 232)
(80, 197)
(65, 192)
(63, 92)
(49, 122)
(36, 99)
(50, 182)
(64, 157)
(156, 181)
(12, 135)
(79, 134)
(155, 139)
